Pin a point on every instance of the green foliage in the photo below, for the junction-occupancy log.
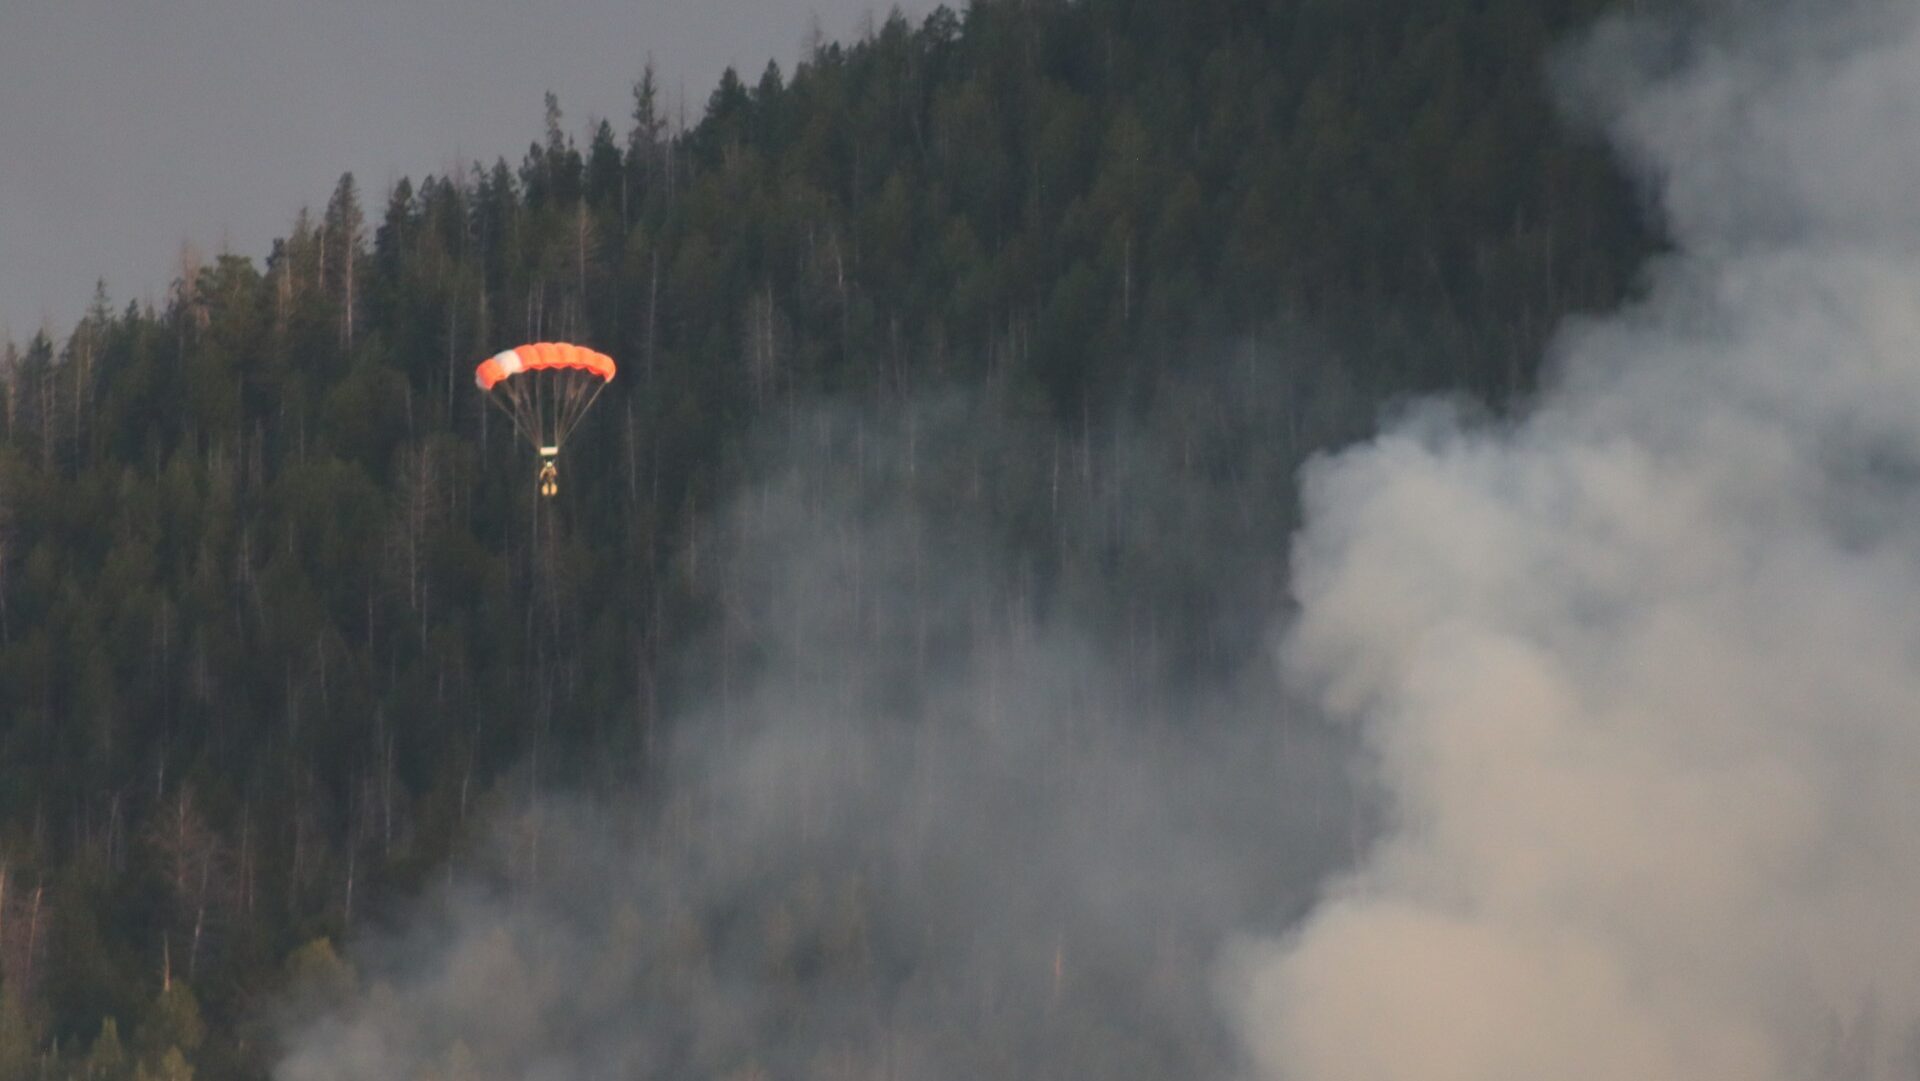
(106, 1059)
(170, 1066)
(317, 971)
(172, 1024)
(18, 1038)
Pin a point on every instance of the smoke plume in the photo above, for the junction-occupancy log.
(1640, 672)
(943, 802)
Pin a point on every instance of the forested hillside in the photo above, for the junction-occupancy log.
(279, 623)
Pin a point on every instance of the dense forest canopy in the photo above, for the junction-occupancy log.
(279, 623)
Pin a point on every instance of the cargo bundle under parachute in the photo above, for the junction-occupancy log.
(545, 388)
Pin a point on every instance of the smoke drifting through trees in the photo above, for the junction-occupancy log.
(943, 812)
(267, 557)
(1639, 670)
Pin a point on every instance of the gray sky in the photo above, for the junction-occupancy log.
(130, 126)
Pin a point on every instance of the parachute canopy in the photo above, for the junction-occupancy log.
(545, 387)
(542, 356)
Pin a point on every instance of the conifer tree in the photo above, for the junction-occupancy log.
(344, 227)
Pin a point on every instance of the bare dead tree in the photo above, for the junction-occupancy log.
(195, 861)
(24, 918)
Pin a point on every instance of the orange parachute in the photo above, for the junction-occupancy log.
(545, 388)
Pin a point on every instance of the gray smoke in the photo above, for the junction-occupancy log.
(1640, 672)
(948, 803)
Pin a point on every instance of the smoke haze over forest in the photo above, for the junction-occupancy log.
(919, 829)
(1167, 539)
(1639, 669)
(1636, 671)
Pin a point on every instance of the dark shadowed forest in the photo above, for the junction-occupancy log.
(284, 633)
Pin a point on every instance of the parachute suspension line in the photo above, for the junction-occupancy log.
(526, 401)
(513, 414)
(520, 405)
(576, 402)
(564, 385)
(537, 386)
(599, 385)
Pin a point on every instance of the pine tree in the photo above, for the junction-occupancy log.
(343, 229)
